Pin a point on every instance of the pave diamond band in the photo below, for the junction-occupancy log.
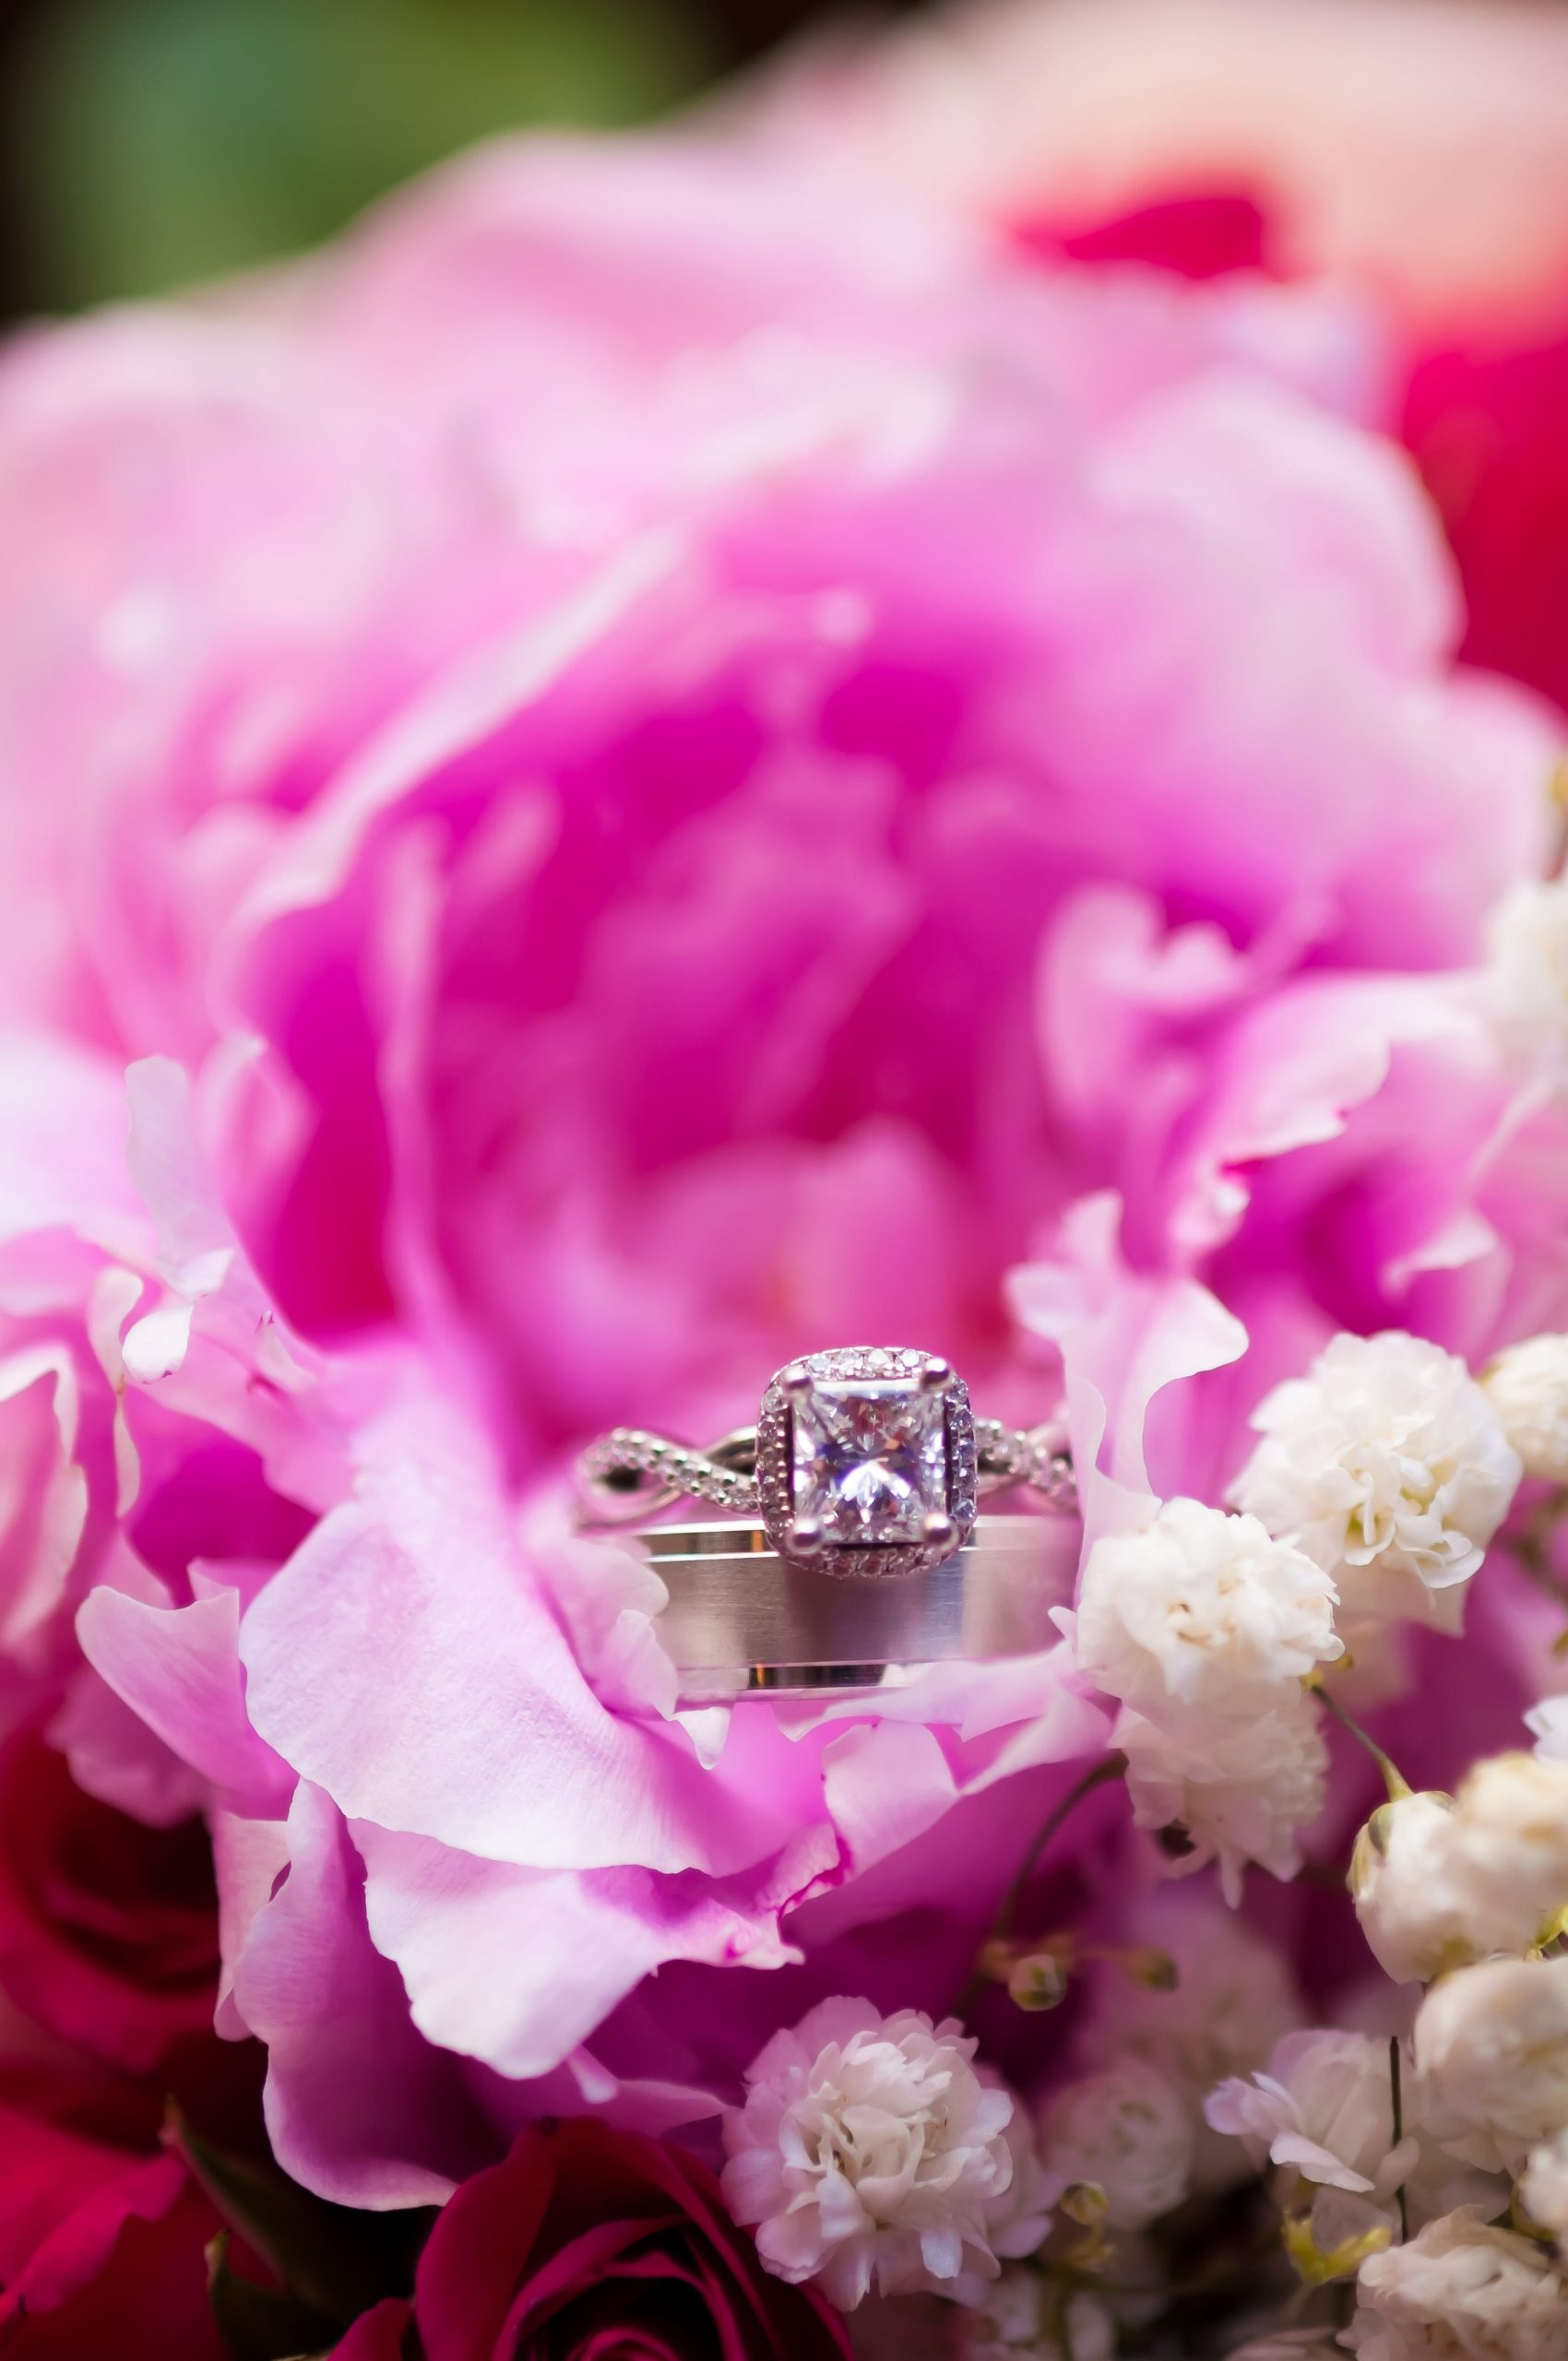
(866, 1460)
(630, 1473)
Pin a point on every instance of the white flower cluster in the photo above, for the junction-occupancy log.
(871, 2152)
(1330, 2112)
(1492, 2047)
(874, 2156)
(1527, 1387)
(1525, 988)
(1545, 2186)
(1325, 2107)
(1441, 1883)
(1548, 1725)
(1390, 1466)
(1468, 1895)
(1461, 2287)
(1433, 2169)
(1125, 2129)
(1233, 2001)
(1202, 1626)
(1021, 2319)
(1127, 2132)
(1488, 2088)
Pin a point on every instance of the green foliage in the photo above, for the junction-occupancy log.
(333, 2263)
(169, 141)
(260, 2323)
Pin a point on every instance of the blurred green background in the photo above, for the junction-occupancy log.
(149, 142)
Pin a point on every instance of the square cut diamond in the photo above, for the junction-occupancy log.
(869, 1459)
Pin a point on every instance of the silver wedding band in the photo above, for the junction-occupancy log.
(743, 1621)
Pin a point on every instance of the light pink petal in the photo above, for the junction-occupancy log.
(196, 1240)
(40, 1419)
(359, 2106)
(250, 1857)
(517, 1967)
(179, 1668)
(887, 1783)
(116, 1756)
(1124, 1337)
(406, 1661)
(63, 1122)
(1285, 1077)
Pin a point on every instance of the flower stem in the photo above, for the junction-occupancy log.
(1098, 1775)
(1396, 2092)
(1393, 1778)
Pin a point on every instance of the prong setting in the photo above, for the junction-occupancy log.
(866, 1462)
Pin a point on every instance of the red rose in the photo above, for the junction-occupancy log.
(101, 2232)
(1485, 423)
(588, 2242)
(108, 1929)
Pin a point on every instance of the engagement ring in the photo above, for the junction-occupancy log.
(866, 1461)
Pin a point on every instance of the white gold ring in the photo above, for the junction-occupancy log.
(865, 1460)
(743, 1621)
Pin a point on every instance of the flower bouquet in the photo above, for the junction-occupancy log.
(912, 727)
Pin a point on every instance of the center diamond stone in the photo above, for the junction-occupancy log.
(869, 1459)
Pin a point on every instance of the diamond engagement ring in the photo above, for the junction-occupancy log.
(866, 1461)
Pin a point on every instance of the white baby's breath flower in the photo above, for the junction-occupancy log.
(1440, 1884)
(1201, 1609)
(1524, 988)
(1388, 1464)
(1545, 2186)
(1509, 1846)
(1549, 1721)
(1527, 1387)
(1492, 2049)
(1018, 2219)
(1325, 2107)
(1239, 1791)
(1019, 2316)
(870, 2150)
(1128, 2132)
(1414, 1926)
(1235, 1998)
(1460, 2291)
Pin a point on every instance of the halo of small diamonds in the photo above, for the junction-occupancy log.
(932, 1400)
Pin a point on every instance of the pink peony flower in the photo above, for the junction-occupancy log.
(699, 1024)
(691, 772)
(1413, 148)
